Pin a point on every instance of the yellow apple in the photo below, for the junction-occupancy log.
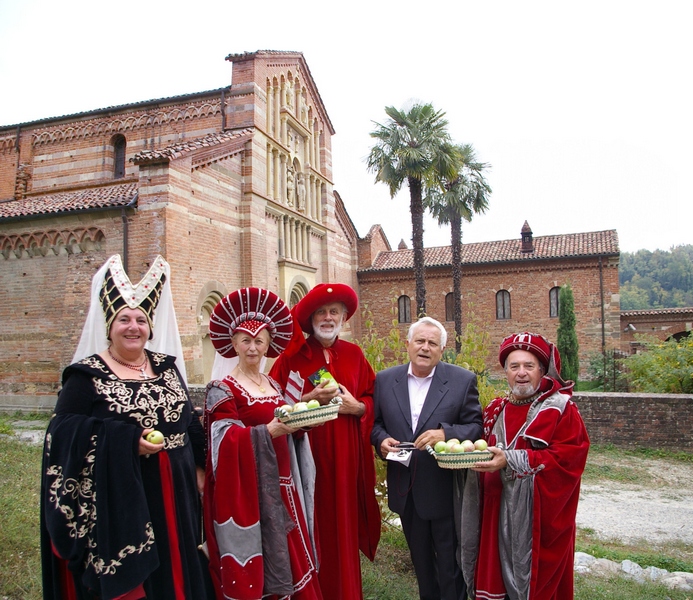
(155, 437)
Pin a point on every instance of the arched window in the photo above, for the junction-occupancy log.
(297, 293)
(449, 307)
(503, 304)
(404, 309)
(554, 294)
(119, 144)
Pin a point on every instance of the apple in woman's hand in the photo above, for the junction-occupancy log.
(155, 437)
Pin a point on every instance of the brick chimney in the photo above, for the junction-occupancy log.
(527, 240)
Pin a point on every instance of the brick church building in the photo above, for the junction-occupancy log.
(508, 285)
(233, 186)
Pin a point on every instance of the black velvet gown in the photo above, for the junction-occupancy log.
(110, 518)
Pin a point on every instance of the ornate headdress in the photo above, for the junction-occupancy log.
(118, 292)
(251, 310)
(321, 294)
(545, 351)
(111, 291)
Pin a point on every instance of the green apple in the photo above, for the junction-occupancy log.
(440, 446)
(155, 437)
(328, 380)
(313, 403)
(299, 406)
(480, 445)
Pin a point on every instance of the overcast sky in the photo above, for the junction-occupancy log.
(582, 109)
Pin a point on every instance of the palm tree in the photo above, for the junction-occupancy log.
(452, 200)
(414, 146)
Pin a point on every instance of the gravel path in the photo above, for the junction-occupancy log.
(656, 509)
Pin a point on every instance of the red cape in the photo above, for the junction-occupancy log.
(345, 467)
(556, 444)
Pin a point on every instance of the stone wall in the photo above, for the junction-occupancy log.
(662, 421)
(657, 421)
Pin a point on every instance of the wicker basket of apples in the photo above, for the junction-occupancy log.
(307, 414)
(454, 454)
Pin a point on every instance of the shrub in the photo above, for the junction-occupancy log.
(475, 346)
(665, 367)
(609, 370)
(376, 348)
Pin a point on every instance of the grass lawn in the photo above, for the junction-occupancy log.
(389, 577)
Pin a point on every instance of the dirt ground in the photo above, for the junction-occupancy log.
(656, 506)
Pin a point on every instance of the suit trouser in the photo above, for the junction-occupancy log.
(432, 545)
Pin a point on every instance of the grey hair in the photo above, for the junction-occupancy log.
(429, 321)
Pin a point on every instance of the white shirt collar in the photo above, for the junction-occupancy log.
(429, 376)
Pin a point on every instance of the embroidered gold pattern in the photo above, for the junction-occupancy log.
(101, 568)
(177, 440)
(79, 490)
(148, 402)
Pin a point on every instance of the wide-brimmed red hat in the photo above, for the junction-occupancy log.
(251, 310)
(530, 342)
(321, 294)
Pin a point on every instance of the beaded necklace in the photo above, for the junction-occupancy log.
(141, 368)
(523, 401)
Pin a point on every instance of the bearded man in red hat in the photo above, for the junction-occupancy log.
(347, 513)
(518, 526)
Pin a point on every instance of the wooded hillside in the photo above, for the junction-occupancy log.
(659, 279)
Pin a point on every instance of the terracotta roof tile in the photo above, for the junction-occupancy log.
(654, 312)
(111, 196)
(545, 247)
(180, 148)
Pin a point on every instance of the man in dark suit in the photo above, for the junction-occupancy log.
(424, 402)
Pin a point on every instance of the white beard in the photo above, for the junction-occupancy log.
(327, 335)
(524, 390)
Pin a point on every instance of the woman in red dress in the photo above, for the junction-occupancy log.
(258, 500)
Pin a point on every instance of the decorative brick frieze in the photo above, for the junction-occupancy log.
(37, 244)
(130, 121)
(8, 144)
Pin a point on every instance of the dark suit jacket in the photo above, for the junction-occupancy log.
(453, 404)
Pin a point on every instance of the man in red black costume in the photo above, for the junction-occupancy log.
(522, 536)
(347, 513)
